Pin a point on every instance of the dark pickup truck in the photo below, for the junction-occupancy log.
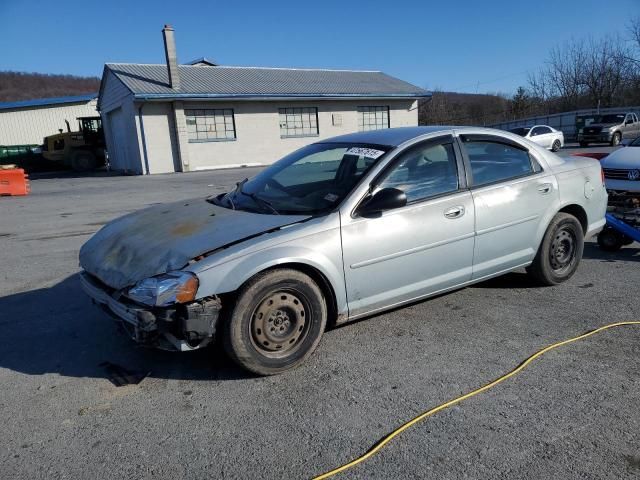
(610, 128)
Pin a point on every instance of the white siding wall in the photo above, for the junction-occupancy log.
(25, 126)
(258, 130)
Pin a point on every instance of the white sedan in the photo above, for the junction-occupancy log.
(542, 135)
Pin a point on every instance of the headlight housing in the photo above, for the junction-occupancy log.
(166, 289)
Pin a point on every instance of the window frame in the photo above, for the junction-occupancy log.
(536, 166)
(359, 111)
(207, 140)
(397, 157)
(304, 135)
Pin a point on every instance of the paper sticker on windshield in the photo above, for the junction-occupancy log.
(365, 152)
(330, 197)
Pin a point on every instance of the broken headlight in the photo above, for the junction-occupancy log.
(166, 289)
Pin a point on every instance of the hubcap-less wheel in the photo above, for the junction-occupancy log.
(563, 250)
(279, 323)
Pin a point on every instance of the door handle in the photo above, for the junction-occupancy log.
(545, 188)
(454, 212)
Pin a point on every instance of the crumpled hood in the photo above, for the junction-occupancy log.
(166, 237)
(626, 157)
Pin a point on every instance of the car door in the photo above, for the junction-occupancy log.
(539, 137)
(416, 250)
(512, 195)
(634, 130)
(628, 128)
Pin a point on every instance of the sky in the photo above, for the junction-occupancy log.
(471, 46)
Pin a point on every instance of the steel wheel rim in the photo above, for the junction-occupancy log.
(563, 250)
(280, 323)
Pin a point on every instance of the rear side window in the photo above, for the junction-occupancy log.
(540, 131)
(493, 162)
(424, 171)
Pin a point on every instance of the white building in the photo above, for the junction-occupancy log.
(170, 118)
(28, 122)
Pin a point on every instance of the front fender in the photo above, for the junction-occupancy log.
(325, 257)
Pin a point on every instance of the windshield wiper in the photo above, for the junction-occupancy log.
(259, 201)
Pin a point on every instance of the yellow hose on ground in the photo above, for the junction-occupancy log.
(382, 443)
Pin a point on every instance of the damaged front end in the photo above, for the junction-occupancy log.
(178, 327)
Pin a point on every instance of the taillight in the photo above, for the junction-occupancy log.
(602, 175)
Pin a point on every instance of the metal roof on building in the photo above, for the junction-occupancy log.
(151, 82)
(44, 102)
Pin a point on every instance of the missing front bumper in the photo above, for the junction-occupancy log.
(180, 327)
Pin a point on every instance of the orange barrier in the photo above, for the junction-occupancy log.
(14, 182)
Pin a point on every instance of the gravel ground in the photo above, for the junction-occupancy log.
(572, 414)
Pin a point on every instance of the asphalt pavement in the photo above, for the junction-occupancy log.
(572, 415)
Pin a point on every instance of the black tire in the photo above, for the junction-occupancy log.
(609, 240)
(560, 252)
(269, 338)
(615, 140)
(556, 146)
(584, 144)
(83, 160)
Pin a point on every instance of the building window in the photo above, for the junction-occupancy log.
(373, 118)
(298, 122)
(210, 125)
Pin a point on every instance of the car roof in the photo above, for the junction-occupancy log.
(388, 136)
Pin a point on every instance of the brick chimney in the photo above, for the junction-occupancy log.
(172, 59)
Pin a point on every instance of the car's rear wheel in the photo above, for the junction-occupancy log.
(560, 252)
(615, 140)
(277, 322)
(556, 146)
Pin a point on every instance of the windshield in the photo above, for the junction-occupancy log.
(635, 143)
(522, 131)
(312, 180)
(613, 118)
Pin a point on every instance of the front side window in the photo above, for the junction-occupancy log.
(298, 122)
(210, 125)
(424, 171)
(493, 162)
(373, 118)
(312, 180)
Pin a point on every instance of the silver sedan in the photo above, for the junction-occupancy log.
(342, 229)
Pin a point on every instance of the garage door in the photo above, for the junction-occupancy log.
(118, 146)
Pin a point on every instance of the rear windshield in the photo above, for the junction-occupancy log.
(522, 131)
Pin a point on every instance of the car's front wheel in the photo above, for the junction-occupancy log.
(615, 140)
(556, 146)
(277, 321)
(560, 252)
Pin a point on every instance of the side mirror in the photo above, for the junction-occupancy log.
(385, 199)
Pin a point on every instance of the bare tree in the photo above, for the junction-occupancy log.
(605, 69)
(565, 72)
(634, 31)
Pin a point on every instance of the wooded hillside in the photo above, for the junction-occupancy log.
(16, 86)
